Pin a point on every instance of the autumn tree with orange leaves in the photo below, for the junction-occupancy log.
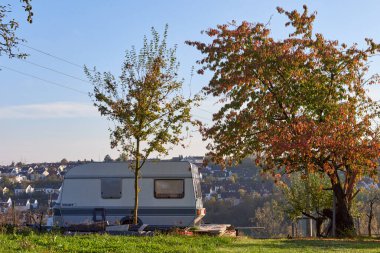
(296, 104)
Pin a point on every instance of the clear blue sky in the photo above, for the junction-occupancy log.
(42, 122)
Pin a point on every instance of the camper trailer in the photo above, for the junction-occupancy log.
(170, 195)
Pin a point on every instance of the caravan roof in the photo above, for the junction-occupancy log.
(151, 169)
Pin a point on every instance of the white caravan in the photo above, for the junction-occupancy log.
(170, 195)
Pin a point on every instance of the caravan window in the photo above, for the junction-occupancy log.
(169, 188)
(111, 188)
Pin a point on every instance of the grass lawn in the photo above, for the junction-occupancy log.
(163, 243)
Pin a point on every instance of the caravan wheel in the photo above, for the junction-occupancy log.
(129, 221)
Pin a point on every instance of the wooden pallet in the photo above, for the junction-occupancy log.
(215, 230)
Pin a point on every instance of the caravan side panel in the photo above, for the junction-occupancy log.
(82, 200)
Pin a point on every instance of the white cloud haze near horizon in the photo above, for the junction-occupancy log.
(48, 111)
(49, 132)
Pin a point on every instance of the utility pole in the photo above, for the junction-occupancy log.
(310, 227)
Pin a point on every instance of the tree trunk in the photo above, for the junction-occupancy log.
(344, 221)
(318, 225)
(137, 171)
(370, 216)
(135, 211)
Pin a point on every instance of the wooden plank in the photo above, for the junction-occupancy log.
(214, 229)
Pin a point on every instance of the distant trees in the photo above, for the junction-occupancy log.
(308, 195)
(369, 200)
(253, 210)
(145, 103)
(8, 27)
(107, 159)
(272, 219)
(64, 161)
(296, 104)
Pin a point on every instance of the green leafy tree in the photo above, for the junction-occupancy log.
(145, 103)
(8, 27)
(272, 219)
(296, 104)
(308, 195)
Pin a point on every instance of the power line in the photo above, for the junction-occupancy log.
(56, 71)
(66, 87)
(74, 64)
(53, 56)
(205, 110)
(200, 117)
(44, 80)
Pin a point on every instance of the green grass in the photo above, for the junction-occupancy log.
(163, 243)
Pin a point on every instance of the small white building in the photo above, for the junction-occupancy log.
(29, 189)
(5, 190)
(23, 206)
(15, 171)
(62, 168)
(19, 191)
(33, 205)
(19, 178)
(46, 173)
(4, 206)
(30, 170)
